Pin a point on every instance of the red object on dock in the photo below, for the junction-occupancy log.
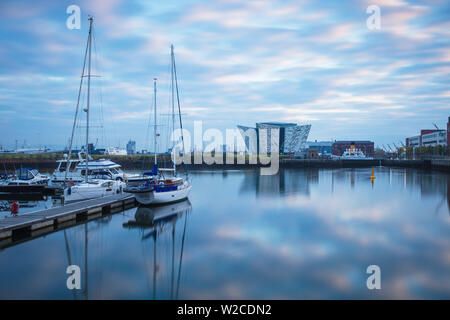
(15, 207)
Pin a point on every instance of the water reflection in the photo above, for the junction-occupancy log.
(299, 234)
(152, 223)
(284, 182)
(290, 182)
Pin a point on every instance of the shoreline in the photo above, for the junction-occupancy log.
(48, 162)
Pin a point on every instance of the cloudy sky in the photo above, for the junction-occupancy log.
(239, 62)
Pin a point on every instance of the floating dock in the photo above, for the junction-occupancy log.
(31, 225)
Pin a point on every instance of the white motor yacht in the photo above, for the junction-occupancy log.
(76, 169)
(28, 176)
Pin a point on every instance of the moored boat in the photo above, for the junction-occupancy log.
(28, 176)
(160, 188)
(353, 153)
(90, 188)
(75, 169)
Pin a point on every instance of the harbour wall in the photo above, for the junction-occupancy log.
(146, 163)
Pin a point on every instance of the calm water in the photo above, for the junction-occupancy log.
(299, 234)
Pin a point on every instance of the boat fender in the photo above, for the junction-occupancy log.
(69, 191)
(15, 207)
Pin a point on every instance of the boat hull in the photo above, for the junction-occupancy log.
(83, 192)
(155, 197)
(144, 198)
(171, 196)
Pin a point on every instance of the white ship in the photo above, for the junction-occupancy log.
(353, 153)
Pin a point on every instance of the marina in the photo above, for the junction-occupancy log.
(224, 150)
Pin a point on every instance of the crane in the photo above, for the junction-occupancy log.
(435, 125)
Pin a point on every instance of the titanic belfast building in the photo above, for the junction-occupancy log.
(291, 137)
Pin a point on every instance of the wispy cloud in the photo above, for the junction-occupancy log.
(238, 62)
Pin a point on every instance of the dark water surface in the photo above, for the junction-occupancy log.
(299, 234)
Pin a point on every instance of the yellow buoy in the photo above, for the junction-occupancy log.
(372, 176)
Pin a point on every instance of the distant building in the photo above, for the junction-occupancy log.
(116, 151)
(430, 137)
(312, 154)
(367, 147)
(324, 148)
(131, 147)
(292, 137)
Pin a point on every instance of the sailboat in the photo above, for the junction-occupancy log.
(166, 186)
(90, 188)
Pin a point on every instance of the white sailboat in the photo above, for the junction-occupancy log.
(90, 188)
(166, 186)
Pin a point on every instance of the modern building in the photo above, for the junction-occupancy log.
(291, 137)
(430, 137)
(131, 147)
(368, 147)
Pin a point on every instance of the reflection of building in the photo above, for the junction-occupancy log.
(291, 137)
(286, 181)
(367, 147)
(430, 137)
(131, 147)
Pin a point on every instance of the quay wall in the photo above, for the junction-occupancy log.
(145, 162)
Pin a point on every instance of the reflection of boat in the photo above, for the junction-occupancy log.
(159, 219)
(150, 216)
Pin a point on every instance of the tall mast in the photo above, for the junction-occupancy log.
(88, 98)
(172, 61)
(76, 111)
(178, 99)
(154, 128)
